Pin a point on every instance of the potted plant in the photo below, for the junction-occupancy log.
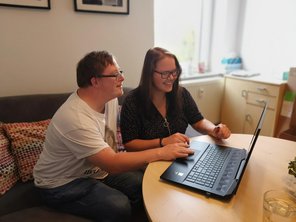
(292, 167)
(291, 183)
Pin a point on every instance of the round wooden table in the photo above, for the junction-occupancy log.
(267, 169)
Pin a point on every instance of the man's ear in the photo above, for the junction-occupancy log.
(94, 81)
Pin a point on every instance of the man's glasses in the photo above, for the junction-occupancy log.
(117, 75)
(166, 74)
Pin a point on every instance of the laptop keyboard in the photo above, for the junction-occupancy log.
(206, 170)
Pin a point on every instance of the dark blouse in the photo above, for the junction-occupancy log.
(134, 123)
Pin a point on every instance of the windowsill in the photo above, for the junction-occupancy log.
(202, 76)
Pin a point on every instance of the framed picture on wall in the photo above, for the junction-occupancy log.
(41, 4)
(102, 6)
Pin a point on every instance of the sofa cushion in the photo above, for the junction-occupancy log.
(27, 140)
(30, 108)
(21, 196)
(41, 213)
(8, 170)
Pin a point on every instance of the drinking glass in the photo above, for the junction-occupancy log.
(279, 206)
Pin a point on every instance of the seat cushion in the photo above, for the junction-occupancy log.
(41, 213)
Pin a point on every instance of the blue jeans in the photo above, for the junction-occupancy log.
(110, 199)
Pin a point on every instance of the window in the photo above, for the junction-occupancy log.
(184, 28)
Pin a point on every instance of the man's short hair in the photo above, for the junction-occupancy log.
(91, 65)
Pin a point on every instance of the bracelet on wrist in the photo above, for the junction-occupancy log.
(160, 142)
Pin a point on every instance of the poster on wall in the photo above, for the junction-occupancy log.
(41, 4)
(102, 6)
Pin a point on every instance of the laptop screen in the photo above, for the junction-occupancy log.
(258, 129)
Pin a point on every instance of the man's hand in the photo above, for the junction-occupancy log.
(175, 138)
(175, 150)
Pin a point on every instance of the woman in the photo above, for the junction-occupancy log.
(158, 111)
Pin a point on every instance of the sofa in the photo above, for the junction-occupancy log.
(23, 122)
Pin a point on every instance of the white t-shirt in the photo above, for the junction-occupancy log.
(75, 132)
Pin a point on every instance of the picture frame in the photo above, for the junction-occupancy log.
(102, 6)
(40, 4)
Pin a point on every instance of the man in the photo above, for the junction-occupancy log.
(78, 172)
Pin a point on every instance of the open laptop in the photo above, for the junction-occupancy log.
(213, 169)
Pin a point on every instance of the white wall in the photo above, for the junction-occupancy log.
(39, 49)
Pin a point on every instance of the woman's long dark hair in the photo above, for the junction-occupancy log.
(153, 56)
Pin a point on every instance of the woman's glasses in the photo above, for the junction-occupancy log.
(166, 74)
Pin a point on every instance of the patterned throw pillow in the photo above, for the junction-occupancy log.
(26, 143)
(8, 170)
